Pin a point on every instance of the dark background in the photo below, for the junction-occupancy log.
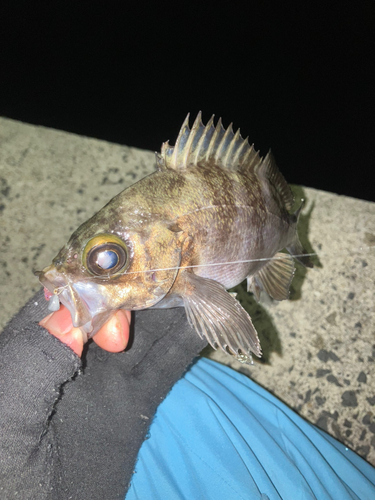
(296, 77)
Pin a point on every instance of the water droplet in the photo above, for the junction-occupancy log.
(245, 359)
(54, 303)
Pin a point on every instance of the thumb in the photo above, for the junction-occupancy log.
(59, 324)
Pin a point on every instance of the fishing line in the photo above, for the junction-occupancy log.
(59, 290)
(357, 250)
(219, 263)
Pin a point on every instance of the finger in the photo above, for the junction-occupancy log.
(59, 324)
(114, 335)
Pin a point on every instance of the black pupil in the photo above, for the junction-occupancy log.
(107, 259)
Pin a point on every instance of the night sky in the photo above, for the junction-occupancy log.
(295, 77)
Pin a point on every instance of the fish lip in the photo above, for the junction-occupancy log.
(59, 284)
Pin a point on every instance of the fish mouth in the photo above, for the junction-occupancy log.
(86, 315)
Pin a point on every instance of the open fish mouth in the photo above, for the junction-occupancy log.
(86, 308)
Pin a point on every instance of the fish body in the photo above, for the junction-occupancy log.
(212, 215)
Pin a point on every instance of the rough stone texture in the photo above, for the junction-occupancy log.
(319, 347)
(51, 182)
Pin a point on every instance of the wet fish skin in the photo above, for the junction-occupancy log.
(212, 200)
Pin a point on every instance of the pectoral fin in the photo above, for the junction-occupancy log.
(274, 278)
(218, 317)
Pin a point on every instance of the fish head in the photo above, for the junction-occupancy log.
(99, 271)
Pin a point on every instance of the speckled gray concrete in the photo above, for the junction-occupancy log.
(319, 347)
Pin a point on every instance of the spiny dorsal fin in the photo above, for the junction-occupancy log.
(270, 172)
(203, 144)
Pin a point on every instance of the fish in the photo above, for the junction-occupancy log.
(213, 214)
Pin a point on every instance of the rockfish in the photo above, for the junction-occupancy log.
(213, 214)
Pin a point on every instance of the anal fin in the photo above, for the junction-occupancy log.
(218, 316)
(274, 278)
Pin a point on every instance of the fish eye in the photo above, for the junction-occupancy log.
(104, 255)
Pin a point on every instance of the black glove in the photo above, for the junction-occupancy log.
(66, 433)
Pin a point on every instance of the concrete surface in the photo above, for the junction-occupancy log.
(319, 347)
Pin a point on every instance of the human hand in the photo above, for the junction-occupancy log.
(95, 407)
(112, 337)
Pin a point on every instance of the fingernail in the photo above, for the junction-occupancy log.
(58, 323)
(44, 320)
(123, 318)
(114, 325)
(118, 328)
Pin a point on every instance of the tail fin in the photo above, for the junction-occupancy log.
(295, 248)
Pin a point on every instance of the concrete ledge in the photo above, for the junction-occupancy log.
(319, 347)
